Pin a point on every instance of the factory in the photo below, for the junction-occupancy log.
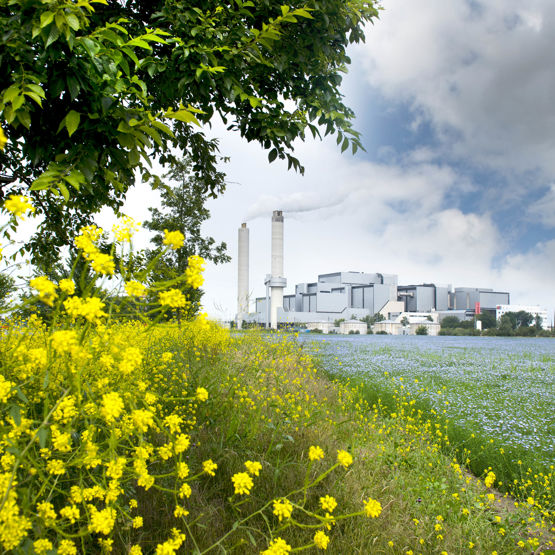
(351, 296)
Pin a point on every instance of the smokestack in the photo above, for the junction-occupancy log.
(243, 274)
(277, 282)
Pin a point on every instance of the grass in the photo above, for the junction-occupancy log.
(270, 404)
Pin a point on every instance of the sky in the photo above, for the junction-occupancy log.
(454, 101)
(457, 185)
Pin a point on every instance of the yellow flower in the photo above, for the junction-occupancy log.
(6, 389)
(136, 550)
(209, 467)
(56, 467)
(173, 298)
(489, 480)
(328, 503)
(102, 522)
(321, 540)
(45, 288)
(182, 443)
(182, 470)
(67, 286)
(243, 483)
(70, 512)
(372, 508)
(185, 491)
(125, 229)
(61, 440)
(193, 272)
(67, 547)
(282, 508)
(3, 142)
(344, 458)
(138, 522)
(135, 289)
(46, 512)
(90, 308)
(102, 263)
(42, 546)
(174, 239)
(277, 547)
(112, 406)
(202, 394)
(18, 205)
(315, 453)
(253, 468)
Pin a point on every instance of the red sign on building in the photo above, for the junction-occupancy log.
(477, 308)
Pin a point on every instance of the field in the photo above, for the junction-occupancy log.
(497, 395)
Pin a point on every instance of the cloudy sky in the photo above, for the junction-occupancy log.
(457, 184)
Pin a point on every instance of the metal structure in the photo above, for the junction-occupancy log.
(243, 275)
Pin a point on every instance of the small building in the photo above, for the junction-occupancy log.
(324, 327)
(408, 322)
(353, 326)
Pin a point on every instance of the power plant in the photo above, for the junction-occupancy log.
(349, 295)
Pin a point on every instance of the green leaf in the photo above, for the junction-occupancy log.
(183, 115)
(272, 155)
(10, 93)
(46, 18)
(42, 435)
(63, 190)
(72, 21)
(15, 414)
(72, 122)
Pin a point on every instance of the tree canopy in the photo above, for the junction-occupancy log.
(92, 90)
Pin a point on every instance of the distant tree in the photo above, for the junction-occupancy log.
(507, 324)
(337, 322)
(450, 322)
(488, 320)
(183, 209)
(538, 322)
(422, 330)
(523, 318)
(7, 287)
(371, 320)
(405, 321)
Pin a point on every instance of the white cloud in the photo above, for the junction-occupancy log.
(544, 208)
(481, 73)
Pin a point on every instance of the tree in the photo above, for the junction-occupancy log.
(184, 210)
(92, 91)
(7, 287)
(371, 320)
(538, 322)
(507, 323)
(523, 318)
(421, 330)
(488, 320)
(405, 321)
(450, 322)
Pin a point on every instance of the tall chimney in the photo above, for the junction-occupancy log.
(277, 282)
(243, 275)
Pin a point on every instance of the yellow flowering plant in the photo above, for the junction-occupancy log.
(98, 426)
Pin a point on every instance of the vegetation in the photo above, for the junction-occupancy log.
(492, 400)
(421, 330)
(510, 323)
(93, 91)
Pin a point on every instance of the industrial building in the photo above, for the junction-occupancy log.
(352, 295)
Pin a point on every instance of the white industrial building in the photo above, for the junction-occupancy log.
(534, 310)
(352, 295)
